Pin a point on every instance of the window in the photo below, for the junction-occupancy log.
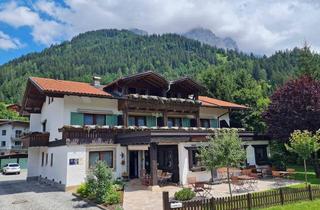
(174, 122)
(73, 161)
(3, 144)
(205, 123)
(44, 126)
(137, 121)
(4, 132)
(46, 158)
(18, 133)
(94, 119)
(194, 160)
(132, 91)
(51, 160)
(106, 156)
(17, 143)
(42, 159)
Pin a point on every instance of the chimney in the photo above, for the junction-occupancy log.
(96, 81)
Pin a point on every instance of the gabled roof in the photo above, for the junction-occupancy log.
(212, 102)
(151, 77)
(187, 83)
(19, 122)
(67, 87)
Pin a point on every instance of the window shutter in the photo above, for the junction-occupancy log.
(214, 123)
(76, 118)
(151, 121)
(112, 120)
(185, 122)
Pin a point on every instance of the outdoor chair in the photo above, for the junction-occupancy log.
(164, 178)
(191, 181)
(238, 185)
(144, 177)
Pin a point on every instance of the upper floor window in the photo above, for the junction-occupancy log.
(137, 121)
(132, 90)
(4, 132)
(205, 123)
(174, 122)
(44, 126)
(18, 133)
(94, 119)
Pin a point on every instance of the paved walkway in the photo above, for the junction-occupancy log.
(137, 197)
(17, 194)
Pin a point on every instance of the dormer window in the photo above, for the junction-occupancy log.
(132, 90)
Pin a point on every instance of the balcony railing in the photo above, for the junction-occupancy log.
(87, 136)
(35, 139)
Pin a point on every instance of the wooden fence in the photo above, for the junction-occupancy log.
(246, 201)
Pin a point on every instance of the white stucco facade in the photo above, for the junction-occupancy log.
(68, 165)
(8, 135)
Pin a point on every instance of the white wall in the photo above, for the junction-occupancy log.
(7, 137)
(10, 134)
(33, 161)
(250, 154)
(93, 105)
(35, 123)
(184, 171)
(53, 113)
(210, 113)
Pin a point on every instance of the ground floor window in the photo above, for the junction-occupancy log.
(106, 156)
(194, 159)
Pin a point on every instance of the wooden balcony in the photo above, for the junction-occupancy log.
(35, 139)
(87, 136)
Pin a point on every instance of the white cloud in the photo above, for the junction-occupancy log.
(8, 43)
(43, 31)
(257, 26)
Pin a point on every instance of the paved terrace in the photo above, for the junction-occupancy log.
(138, 197)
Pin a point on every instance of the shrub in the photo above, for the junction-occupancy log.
(91, 185)
(184, 194)
(112, 197)
(104, 180)
(83, 190)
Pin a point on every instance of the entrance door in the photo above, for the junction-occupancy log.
(168, 160)
(133, 164)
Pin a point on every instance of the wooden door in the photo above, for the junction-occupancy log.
(168, 160)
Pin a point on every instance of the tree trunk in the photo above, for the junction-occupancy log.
(228, 176)
(316, 164)
(305, 172)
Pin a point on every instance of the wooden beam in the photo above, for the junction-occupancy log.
(154, 166)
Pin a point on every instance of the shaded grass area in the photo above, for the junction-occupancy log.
(305, 205)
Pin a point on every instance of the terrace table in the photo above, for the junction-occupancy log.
(249, 180)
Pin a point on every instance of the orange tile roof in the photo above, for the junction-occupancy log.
(207, 101)
(68, 87)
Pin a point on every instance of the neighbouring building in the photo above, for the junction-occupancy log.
(10, 136)
(137, 122)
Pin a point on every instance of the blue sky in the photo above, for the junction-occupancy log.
(261, 27)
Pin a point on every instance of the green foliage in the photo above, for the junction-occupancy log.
(303, 143)
(228, 75)
(8, 114)
(104, 180)
(184, 194)
(83, 190)
(113, 196)
(224, 150)
(279, 158)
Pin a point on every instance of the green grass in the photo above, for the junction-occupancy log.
(299, 175)
(305, 205)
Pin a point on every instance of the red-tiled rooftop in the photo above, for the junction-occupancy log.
(207, 101)
(67, 87)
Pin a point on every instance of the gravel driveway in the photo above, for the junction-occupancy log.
(17, 194)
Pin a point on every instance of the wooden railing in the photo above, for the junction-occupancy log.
(246, 201)
(87, 136)
(35, 140)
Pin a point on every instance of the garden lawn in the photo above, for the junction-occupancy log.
(306, 205)
(299, 175)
